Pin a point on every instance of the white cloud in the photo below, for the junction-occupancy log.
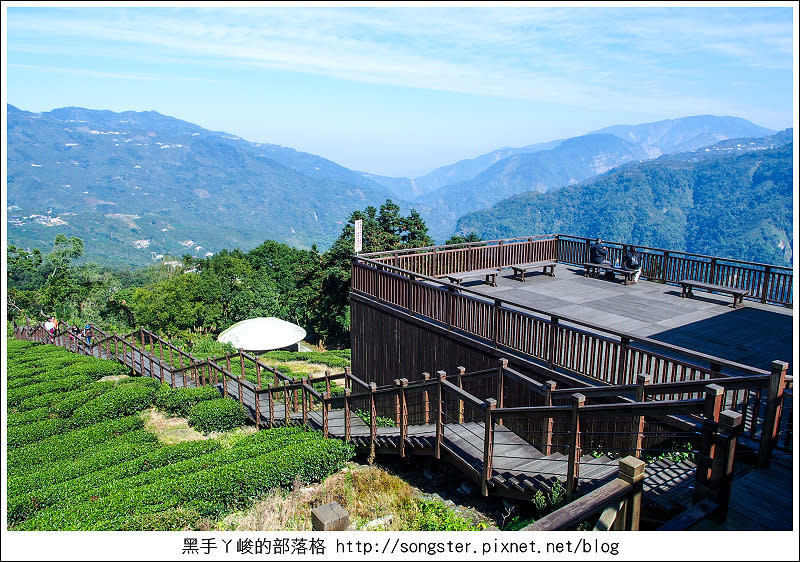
(623, 58)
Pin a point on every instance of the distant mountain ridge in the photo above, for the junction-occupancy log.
(687, 133)
(733, 201)
(480, 182)
(572, 161)
(136, 183)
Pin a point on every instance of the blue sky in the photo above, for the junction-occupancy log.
(402, 90)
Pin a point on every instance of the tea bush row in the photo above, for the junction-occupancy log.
(176, 460)
(178, 401)
(70, 445)
(110, 466)
(220, 414)
(212, 490)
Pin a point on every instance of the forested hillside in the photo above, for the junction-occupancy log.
(737, 206)
(136, 183)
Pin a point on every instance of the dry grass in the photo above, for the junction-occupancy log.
(367, 493)
(302, 367)
(113, 378)
(172, 430)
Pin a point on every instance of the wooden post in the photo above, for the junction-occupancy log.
(496, 321)
(577, 400)
(171, 358)
(403, 383)
(730, 423)
(257, 399)
(180, 364)
(631, 470)
(224, 384)
(241, 389)
(271, 408)
(373, 423)
(348, 383)
(325, 412)
(258, 373)
(711, 410)
(765, 283)
(772, 412)
(426, 399)
(347, 392)
(637, 438)
(440, 376)
(286, 413)
(151, 354)
(241, 362)
(397, 403)
(547, 423)
(228, 362)
(305, 396)
(551, 344)
(622, 365)
(141, 333)
(460, 373)
(449, 307)
(327, 381)
(488, 445)
(500, 385)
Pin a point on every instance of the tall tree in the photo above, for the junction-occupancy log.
(382, 230)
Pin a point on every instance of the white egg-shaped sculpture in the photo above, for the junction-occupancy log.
(262, 334)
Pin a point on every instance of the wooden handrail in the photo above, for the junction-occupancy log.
(463, 394)
(626, 487)
(467, 245)
(604, 332)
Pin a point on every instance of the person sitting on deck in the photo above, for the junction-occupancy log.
(598, 253)
(632, 262)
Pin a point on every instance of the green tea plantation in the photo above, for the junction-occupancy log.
(79, 457)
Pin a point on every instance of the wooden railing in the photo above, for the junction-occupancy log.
(605, 355)
(443, 400)
(763, 282)
(619, 504)
(436, 261)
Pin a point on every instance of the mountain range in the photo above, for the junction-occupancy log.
(730, 200)
(138, 185)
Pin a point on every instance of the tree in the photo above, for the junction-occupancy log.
(382, 230)
(471, 237)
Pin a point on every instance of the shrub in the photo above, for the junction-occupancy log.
(121, 401)
(178, 401)
(97, 368)
(16, 395)
(436, 516)
(22, 418)
(331, 359)
(226, 485)
(71, 401)
(70, 445)
(58, 487)
(220, 414)
(36, 431)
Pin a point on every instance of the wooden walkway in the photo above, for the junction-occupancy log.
(518, 469)
(761, 500)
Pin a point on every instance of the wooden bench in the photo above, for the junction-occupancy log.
(490, 276)
(688, 284)
(521, 268)
(593, 270)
